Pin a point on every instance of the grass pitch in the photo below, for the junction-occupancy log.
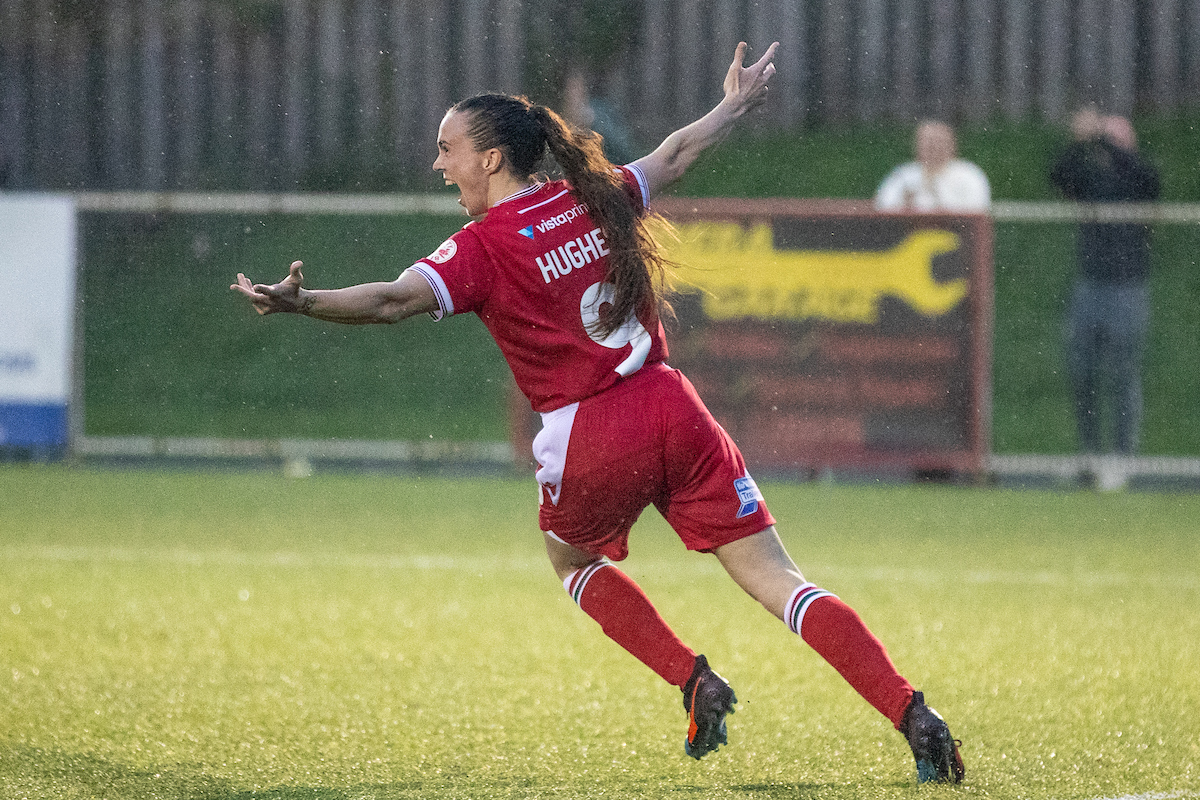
(234, 635)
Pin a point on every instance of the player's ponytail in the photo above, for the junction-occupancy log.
(523, 132)
(635, 268)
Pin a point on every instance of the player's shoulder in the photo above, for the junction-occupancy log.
(463, 244)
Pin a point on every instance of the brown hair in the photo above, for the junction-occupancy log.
(524, 132)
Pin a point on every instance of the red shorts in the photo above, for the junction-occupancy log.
(649, 439)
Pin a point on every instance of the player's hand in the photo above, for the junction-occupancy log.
(746, 87)
(282, 297)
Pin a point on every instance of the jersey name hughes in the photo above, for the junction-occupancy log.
(574, 254)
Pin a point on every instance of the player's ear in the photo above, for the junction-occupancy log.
(493, 160)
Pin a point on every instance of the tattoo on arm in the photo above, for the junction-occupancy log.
(306, 303)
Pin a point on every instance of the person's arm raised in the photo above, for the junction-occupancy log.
(362, 304)
(745, 90)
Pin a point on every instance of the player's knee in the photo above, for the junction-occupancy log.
(566, 559)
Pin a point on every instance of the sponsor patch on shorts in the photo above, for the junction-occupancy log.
(748, 495)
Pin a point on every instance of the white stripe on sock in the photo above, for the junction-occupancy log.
(798, 604)
(577, 580)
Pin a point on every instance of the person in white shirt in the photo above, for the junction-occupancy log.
(937, 181)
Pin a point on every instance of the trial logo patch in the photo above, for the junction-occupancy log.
(445, 252)
(748, 495)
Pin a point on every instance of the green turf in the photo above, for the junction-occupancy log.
(234, 635)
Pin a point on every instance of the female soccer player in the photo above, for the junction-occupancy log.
(567, 278)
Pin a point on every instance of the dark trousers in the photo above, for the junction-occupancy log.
(1106, 337)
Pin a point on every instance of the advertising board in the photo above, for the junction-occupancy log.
(823, 335)
(37, 307)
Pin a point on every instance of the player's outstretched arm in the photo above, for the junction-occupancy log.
(361, 304)
(745, 90)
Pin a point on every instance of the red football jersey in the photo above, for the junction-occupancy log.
(533, 270)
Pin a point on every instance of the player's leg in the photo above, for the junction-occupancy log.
(715, 506)
(762, 567)
(595, 483)
(612, 469)
(626, 615)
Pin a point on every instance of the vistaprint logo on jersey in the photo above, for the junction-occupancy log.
(561, 219)
(527, 231)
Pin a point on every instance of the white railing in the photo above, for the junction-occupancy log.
(447, 203)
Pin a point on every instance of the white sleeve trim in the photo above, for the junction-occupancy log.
(445, 301)
(642, 184)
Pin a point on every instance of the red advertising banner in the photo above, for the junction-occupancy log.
(823, 335)
(826, 335)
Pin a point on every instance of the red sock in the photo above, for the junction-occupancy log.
(626, 615)
(839, 635)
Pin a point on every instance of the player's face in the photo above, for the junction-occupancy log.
(461, 164)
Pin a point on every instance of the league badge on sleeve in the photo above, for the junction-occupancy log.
(445, 252)
(748, 495)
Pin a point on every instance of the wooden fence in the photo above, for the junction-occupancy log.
(312, 94)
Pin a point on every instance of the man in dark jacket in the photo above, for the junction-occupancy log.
(1110, 304)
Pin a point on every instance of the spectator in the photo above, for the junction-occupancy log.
(1110, 302)
(586, 111)
(938, 180)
